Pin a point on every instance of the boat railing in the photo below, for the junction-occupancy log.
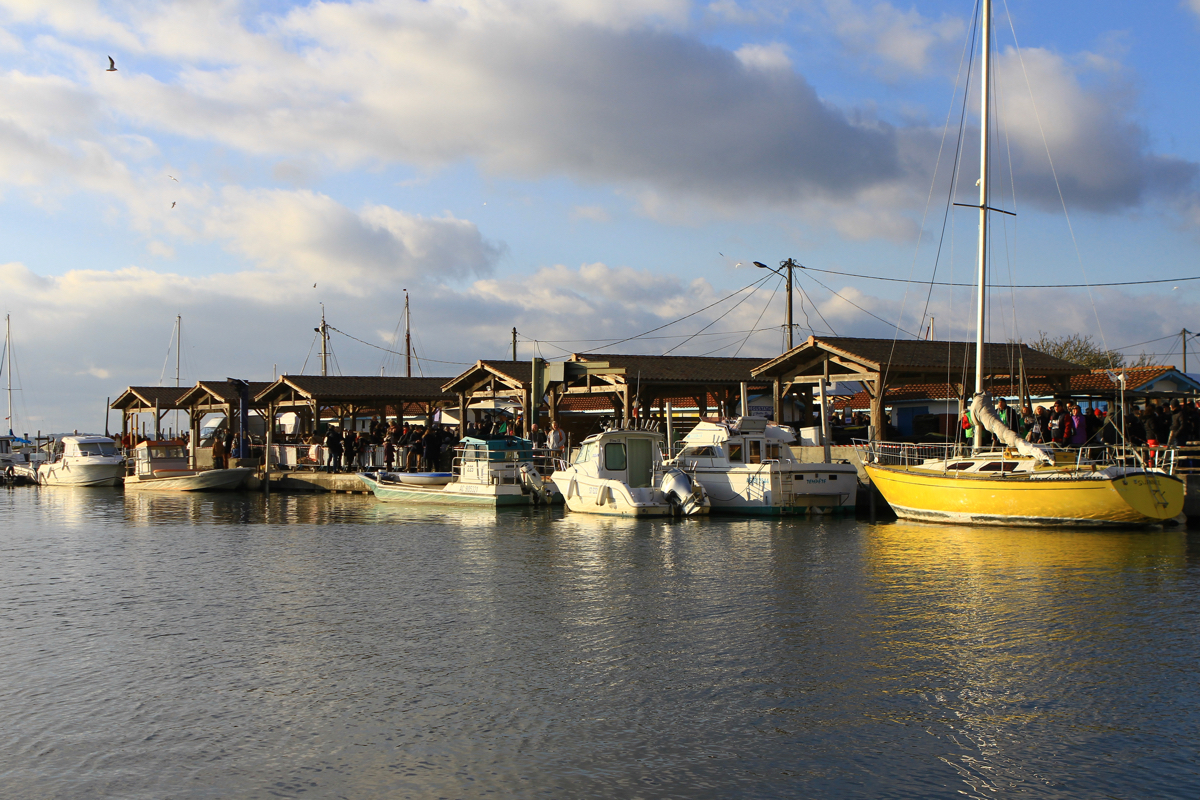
(907, 454)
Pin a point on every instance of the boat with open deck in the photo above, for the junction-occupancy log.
(489, 471)
(162, 466)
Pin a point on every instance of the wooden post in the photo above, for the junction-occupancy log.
(462, 414)
(777, 399)
(530, 410)
(626, 410)
(877, 421)
(266, 479)
(554, 404)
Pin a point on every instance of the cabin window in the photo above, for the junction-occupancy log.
(773, 451)
(614, 456)
(97, 449)
(755, 448)
(999, 466)
(586, 453)
(735, 451)
(707, 451)
(959, 465)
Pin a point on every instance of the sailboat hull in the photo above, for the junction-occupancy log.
(1140, 498)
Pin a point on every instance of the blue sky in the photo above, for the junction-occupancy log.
(578, 169)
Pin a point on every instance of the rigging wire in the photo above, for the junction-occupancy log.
(681, 319)
(310, 349)
(860, 308)
(760, 316)
(1054, 171)
(804, 294)
(715, 321)
(1002, 285)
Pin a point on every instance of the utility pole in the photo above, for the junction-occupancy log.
(1183, 334)
(514, 344)
(407, 339)
(789, 265)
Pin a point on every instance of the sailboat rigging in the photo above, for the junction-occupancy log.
(1020, 483)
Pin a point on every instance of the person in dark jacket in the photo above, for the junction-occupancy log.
(1059, 430)
(333, 448)
(432, 449)
(1176, 433)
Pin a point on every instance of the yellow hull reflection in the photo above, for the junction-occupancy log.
(1137, 499)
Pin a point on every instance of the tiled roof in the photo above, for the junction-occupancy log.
(677, 369)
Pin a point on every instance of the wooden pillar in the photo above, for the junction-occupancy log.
(626, 407)
(702, 405)
(554, 397)
(193, 438)
(530, 410)
(462, 414)
(877, 404)
(777, 400)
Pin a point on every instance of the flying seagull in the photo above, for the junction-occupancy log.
(172, 177)
(112, 65)
(172, 204)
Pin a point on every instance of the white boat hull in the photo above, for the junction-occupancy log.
(69, 473)
(784, 489)
(211, 480)
(454, 493)
(584, 494)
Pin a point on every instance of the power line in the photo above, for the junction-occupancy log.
(393, 352)
(999, 285)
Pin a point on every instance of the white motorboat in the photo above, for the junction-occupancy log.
(163, 466)
(84, 461)
(747, 467)
(620, 472)
(489, 471)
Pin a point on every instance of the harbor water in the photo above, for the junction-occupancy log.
(220, 646)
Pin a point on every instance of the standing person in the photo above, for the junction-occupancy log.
(1039, 425)
(1008, 415)
(333, 448)
(389, 448)
(432, 448)
(556, 440)
(1060, 424)
(538, 437)
(219, 453)
(1176, 433)
(1079, 427)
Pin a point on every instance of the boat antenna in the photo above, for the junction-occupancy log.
(407, 338)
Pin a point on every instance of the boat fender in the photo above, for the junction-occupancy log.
(601, 493)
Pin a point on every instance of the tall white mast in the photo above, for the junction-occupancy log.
(178, 345)
(8, 367)
(981, 277)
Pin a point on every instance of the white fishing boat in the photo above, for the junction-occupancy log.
(84, 461)
(747, 467)
(162, 466)
(488, 471)
(620, 472)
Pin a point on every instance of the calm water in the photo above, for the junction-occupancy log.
(227, 646)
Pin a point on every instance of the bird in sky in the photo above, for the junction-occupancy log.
(172, 204)
(172, 177)
(112, 65)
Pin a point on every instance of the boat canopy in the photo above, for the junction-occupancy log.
(496, 448)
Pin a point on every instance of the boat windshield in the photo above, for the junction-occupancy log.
(97, 449)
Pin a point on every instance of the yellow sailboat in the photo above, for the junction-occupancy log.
(1021, 483)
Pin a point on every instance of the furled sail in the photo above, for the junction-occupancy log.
(985, 415)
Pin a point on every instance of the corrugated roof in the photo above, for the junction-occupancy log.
(911, 356)
(366, 387)
(145, 396)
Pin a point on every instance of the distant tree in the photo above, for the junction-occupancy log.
(1079, 349)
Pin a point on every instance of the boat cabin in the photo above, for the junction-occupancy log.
(491, 459)
(155, 458)
(85, 446)
(741, 442)
(5, 446)
(626, 456)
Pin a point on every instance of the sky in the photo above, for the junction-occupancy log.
(582, 170)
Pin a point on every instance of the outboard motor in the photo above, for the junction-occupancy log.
(683, 493)
(531, 479)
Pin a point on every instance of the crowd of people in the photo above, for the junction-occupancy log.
(1067, 424)
(416, 447)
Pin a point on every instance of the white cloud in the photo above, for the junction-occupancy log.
(890, 39)
(593, 213)
(764, 57)
(1194, 5)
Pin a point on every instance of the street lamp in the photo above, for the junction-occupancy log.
(789, 265)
